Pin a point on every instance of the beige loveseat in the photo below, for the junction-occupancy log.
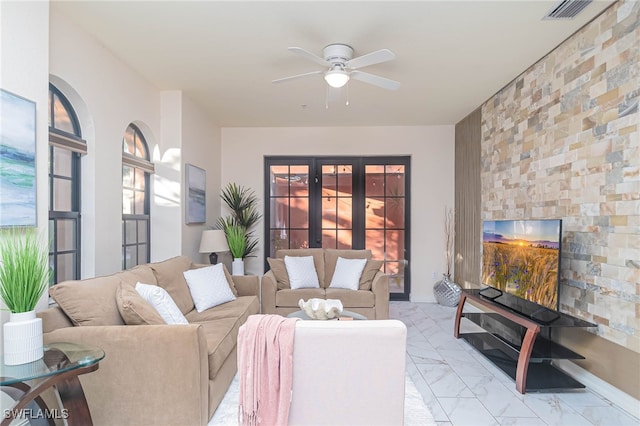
(152, 374)
(371, 299)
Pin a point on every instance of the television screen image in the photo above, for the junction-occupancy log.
(522, 257)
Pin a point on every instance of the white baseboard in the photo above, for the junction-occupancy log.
(602, 388)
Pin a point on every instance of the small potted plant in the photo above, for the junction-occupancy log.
(237, 241)
(24, 277)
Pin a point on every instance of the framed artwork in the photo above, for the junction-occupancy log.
(196, 179)
(17, 160)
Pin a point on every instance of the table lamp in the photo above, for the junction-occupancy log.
(213, 241)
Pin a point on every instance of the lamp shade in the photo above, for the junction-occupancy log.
(213, 241)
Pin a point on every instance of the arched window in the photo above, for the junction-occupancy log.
(65, 148)
(136, 169)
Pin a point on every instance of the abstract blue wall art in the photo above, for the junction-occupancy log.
(17, 160)
(196, 196)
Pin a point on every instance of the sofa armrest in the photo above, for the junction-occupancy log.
(268, 289)
(247, 285)
(146, 370)
(380, 288)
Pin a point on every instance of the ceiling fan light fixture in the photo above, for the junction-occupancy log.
(336, 77)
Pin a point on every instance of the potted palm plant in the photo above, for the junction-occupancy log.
(240, 224)
(24, 277)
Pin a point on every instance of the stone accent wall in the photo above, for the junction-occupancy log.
(562, 141)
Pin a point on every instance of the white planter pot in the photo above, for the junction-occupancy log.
(237, 267)
(22, 338)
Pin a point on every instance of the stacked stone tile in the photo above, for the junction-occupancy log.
(562, 141)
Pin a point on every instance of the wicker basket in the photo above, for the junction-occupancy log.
(447, 292)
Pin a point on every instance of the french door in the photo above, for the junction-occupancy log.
(343, 203)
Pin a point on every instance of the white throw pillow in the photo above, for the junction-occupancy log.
(347, 274)
(208, 286)
(162, 302)
(302, 272)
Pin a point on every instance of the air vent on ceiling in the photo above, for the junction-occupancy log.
(567, 9)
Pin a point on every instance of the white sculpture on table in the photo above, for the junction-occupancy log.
(321, 309)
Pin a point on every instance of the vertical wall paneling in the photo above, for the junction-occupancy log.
(467, 243)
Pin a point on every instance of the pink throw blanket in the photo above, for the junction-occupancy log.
(265, 365)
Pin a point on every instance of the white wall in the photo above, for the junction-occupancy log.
(24, 70)
(108, 95)
(201, 147)
(432, 177)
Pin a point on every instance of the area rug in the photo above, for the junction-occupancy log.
(416, 412)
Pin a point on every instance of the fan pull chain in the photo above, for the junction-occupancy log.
(347, 89)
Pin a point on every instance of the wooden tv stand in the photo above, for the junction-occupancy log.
(516, 337)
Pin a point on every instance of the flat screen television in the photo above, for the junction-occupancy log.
(522, 258)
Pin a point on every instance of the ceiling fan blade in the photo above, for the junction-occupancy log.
(377, 57)
(295, 77)
(376, 80)
(310, 56)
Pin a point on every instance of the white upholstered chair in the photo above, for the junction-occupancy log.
(348, 373)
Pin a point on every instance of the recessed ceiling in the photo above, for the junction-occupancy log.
(451, 55)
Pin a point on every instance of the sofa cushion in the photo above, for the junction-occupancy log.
(138, 274)
(89, 302)
(169, 276)
(289, 298)
(371, 268)
(352, 298)
(318, 259)
(134, 309)
(279, 270)
(347, 274)
(209, 286)
(302, 272)
(331, 258)
(222, 335)
(241, 308)
(161, 301)
(232, 284)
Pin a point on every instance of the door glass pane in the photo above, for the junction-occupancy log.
(374, 212)
(66, 234)
(299, 212)
(374, 180)
(142, 253)
(279, 241)
(329, 213)
(329, 238)
(299, 181)
(62, 162)
(299, 239)
(394, 213)
(279, 217)
(394, 180)
(345, 213)
(61, 195)
(139, 202)
(52, 231)
(396, 276)
(394, 245)
(329, 181)
(374, 241)
(345, 238)
(279, 178)
(345, 179)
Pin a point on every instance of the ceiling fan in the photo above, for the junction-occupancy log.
(342, 66)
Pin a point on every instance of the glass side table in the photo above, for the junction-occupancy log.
(60, 367)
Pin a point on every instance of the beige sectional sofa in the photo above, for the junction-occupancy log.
(152, 374)
(371, 299)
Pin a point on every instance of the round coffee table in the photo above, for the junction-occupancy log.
(345, 314)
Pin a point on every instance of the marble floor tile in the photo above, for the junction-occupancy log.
(467, 411)
(462, 387)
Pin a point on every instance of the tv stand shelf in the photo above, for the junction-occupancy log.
(518, 343)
